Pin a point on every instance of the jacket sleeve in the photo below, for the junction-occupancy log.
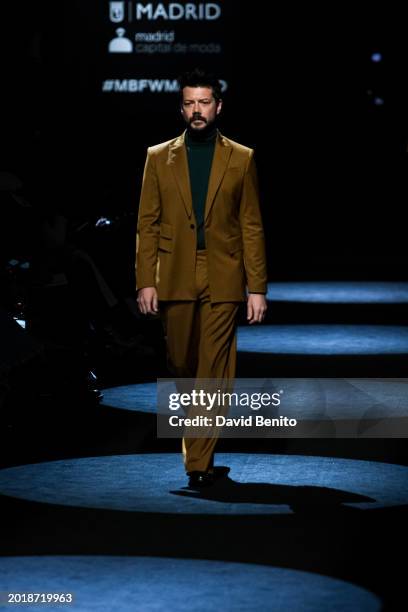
(148, 226)
(252, 231)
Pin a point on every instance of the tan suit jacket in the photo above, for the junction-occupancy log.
(166, 239)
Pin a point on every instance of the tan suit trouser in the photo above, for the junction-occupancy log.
(201, 343)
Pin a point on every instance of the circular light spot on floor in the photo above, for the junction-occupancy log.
(329, 399)
(324, 339)
(104, 583)
(339, 292)
(137, 398)
(256, 484)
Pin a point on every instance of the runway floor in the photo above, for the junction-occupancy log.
(94, 504)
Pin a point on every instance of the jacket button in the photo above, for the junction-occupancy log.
(192, 226)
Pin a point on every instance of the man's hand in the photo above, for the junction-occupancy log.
(147, 300)
(256, 308)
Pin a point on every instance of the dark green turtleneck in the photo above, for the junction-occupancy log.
(200, 152)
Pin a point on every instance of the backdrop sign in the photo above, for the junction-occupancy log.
(148, 43)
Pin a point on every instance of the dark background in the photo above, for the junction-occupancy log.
(301, 91)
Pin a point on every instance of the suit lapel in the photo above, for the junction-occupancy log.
(177, 160)
(222, 154)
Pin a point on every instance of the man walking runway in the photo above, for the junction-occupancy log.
(200, 248)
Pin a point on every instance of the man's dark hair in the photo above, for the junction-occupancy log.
(200, 78)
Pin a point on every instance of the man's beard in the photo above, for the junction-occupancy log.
(201, 132)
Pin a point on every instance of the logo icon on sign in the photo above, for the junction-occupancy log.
(117, 11)
(120, 44)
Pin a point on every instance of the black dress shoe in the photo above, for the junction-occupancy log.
(220, 471)
(199, 480)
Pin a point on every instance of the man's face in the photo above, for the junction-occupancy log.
(199, 107)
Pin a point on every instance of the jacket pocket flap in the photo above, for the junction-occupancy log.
(166, 230)
(165, 244)
(234, 244)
